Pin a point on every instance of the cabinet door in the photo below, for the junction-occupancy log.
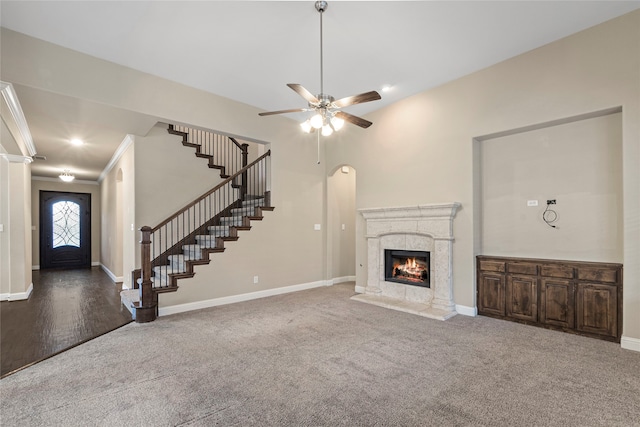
(522, 298)
(557, 302)
(491, 294)
(597, 309)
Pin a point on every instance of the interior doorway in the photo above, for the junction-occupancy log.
(341, 224)
(65, 224)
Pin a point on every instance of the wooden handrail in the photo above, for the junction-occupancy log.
(240, 146)
(222, 184)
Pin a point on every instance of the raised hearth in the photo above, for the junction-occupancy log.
(423, 228)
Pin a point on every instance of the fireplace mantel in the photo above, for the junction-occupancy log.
(421, 228)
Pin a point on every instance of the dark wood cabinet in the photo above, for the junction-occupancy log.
(597, 308)
(522, 297)
(578, 297)
(492, 294)
(557, 306)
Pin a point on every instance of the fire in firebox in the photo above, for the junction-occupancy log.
(408, 267)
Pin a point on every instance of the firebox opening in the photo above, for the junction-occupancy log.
(407, 267)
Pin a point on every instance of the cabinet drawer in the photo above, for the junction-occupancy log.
(522, 268)
(557, 271)
(609, 275)
(497, 266)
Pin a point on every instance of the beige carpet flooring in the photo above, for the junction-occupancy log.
(316, 358)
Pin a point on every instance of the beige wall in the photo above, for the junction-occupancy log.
(15, 214)
(5, 260)
(168, 176)
(421, 150)
(341, 210)
(15, 239)
(578, 164)
(283, 249)
(117, 191)
(72, 187)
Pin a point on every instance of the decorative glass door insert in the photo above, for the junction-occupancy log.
(66, 224)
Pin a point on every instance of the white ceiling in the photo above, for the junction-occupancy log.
(248, 51)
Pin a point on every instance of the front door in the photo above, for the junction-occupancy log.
(65, 230)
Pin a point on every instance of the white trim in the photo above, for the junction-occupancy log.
(112, 276)
(126, 142)
(17, 296)
(181, 308)
(629, 343)
(75, 181)
(14, 158)
(342, 279)
(360, 289)
(95, 263)
(466, 310)
(35, 267)
(11, 99)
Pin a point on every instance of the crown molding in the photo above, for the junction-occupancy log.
(75, 181)
(126, 142)
(14, 158)
(11, 99)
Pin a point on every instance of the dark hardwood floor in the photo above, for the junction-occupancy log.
(66, 308)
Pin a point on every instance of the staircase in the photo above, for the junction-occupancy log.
(171, 250)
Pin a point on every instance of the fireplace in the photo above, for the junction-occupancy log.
(407, 267)
(410, 230)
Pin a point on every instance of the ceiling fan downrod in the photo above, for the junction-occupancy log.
(321, 6)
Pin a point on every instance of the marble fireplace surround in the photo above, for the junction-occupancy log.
(413, 228)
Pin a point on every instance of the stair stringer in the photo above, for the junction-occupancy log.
(211, 163)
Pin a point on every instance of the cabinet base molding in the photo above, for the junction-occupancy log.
(577, 297)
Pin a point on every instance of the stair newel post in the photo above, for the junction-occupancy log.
(146, 311)
(245, 162)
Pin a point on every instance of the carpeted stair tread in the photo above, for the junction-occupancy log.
(244, 211)
(231, 220)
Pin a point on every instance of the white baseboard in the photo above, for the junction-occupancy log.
(360, 289)
(197, 305)
(466, 311)
(17, 296)
(629, 343)
(35, 267)
(342, 279)
(112, 276)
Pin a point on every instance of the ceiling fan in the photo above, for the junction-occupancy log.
(328, 115)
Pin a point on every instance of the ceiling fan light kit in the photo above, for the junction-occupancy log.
(327, 116)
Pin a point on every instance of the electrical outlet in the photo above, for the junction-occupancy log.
(532, 203)
(316, 227)
(255, 279)
(551, 202)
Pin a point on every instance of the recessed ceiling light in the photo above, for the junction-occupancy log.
(386, 88)
(76, 141)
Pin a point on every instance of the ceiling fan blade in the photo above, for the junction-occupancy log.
(294, 110)
(358, 121)
(357, 99)
(304, 93)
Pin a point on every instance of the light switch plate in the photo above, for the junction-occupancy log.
(532, 203)
(316, 227)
